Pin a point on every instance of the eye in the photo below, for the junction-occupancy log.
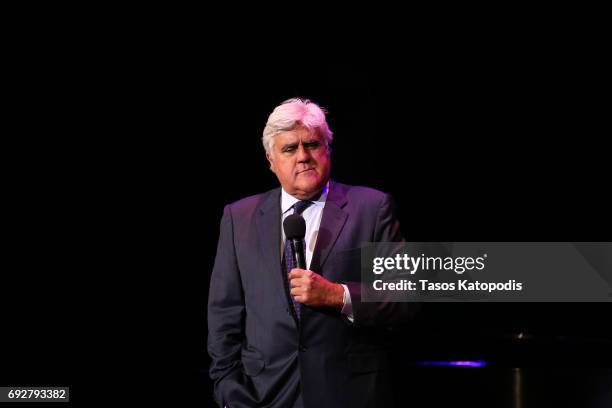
(312, 145)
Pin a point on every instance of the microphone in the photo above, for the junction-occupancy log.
(295, 229)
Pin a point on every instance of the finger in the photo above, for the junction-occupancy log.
(296, 292)
(299, 282)
(296, 273)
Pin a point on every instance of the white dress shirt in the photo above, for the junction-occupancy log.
(312, 215)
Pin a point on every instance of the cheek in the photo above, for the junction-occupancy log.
(287, 170)
(322, 161)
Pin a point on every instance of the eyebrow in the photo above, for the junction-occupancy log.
(310, 142)
(305, 142)
(288, 145)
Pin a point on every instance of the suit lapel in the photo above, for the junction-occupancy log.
(269, 234)
(332, 222)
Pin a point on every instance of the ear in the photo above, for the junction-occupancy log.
(270, 160)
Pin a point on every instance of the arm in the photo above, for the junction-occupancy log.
(314, 290)
(226, 313)
(387, 229)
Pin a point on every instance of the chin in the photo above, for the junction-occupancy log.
(312, 189)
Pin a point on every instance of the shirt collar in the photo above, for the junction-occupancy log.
(287, 200)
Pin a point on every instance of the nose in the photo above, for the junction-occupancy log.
(303, 155)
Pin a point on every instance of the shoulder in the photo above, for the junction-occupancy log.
(360, 194)
(249, 205)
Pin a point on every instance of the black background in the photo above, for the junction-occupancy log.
(119, 165)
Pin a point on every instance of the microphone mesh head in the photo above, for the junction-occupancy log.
(294, 227)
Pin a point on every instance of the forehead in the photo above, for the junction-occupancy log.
(296, 135)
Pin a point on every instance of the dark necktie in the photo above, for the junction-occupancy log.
(289, 258)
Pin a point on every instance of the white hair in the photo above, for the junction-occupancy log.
(292, 113)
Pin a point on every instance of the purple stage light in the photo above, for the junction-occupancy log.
(459, 363)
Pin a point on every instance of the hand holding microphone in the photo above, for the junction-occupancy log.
(308, 287)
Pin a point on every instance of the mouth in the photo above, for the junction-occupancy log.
(305, 171)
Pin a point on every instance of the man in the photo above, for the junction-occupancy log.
(281, 336)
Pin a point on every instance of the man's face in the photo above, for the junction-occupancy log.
(300, 161)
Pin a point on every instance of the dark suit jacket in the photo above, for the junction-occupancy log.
(260, 353)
